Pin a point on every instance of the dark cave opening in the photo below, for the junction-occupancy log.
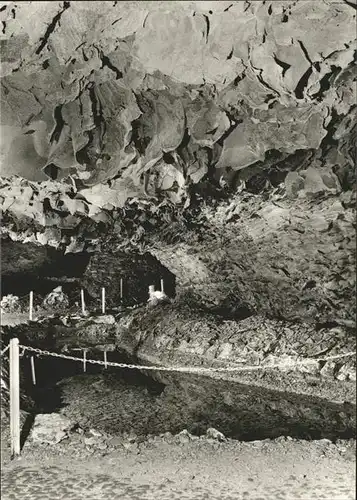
(125, 276)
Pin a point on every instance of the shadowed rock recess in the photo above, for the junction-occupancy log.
(216, 136)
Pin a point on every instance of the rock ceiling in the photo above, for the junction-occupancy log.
(109, 103)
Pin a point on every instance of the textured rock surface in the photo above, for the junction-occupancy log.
(107, 92)
(240, 113)
(50, 428)
(137, 273)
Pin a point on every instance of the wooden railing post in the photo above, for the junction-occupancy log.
(33, 372)
(103, 300)
(84, 360)
(15, 397)
(83, 304)
(31, 307)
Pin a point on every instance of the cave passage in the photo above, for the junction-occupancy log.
(118, 400)
(125, 276)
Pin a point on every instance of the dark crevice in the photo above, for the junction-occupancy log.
(230, 55)
(306, 54)
(138, 138)
(207, 26)
(302, 84)
(264, 83)
(238, 79)
(52, 171)
(227, 9)
(325, 83)
(282, 64)
(234, 124)
(3, 27)
(51, 27)
(184, 143)
(317, 66)
(117, 20)
(59, 124)
(106, 62)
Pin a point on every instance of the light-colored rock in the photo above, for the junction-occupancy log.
(10, 304)
(95, 433)
(212, 433)
(225, 351)
(317, 181)
(312, 367)
(90, 441)
(56, 299)
(50, 428)
(343, 373)
(105, 319)
(328, 369)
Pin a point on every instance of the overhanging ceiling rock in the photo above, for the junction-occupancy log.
(133, 90)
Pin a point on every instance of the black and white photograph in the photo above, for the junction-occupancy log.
(178, 250)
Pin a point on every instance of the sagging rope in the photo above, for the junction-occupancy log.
(187, 369)
(4, 350)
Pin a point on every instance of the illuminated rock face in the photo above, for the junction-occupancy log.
(153, 102)
(144, 92)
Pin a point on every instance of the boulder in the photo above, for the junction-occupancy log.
(50, 428)
(56, 300)
(212, 433)
(10, 304)
(328, 370)
(105, 319)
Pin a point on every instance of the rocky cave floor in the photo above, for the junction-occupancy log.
(148, 435)
(182, 466)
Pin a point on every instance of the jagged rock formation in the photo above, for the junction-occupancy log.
(241, 114)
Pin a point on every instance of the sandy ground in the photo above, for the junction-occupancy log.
(181, 467)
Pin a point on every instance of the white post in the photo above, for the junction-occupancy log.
(15, 397)
(82, 302)
(162, 285)
(85, 360)
(121, 288)
(103, 300)
(105, 360)
(32, 359)
(31, 307)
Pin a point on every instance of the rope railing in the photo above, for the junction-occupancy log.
(34, 306)
(15, 356)
(184, 369)
(4, 350)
